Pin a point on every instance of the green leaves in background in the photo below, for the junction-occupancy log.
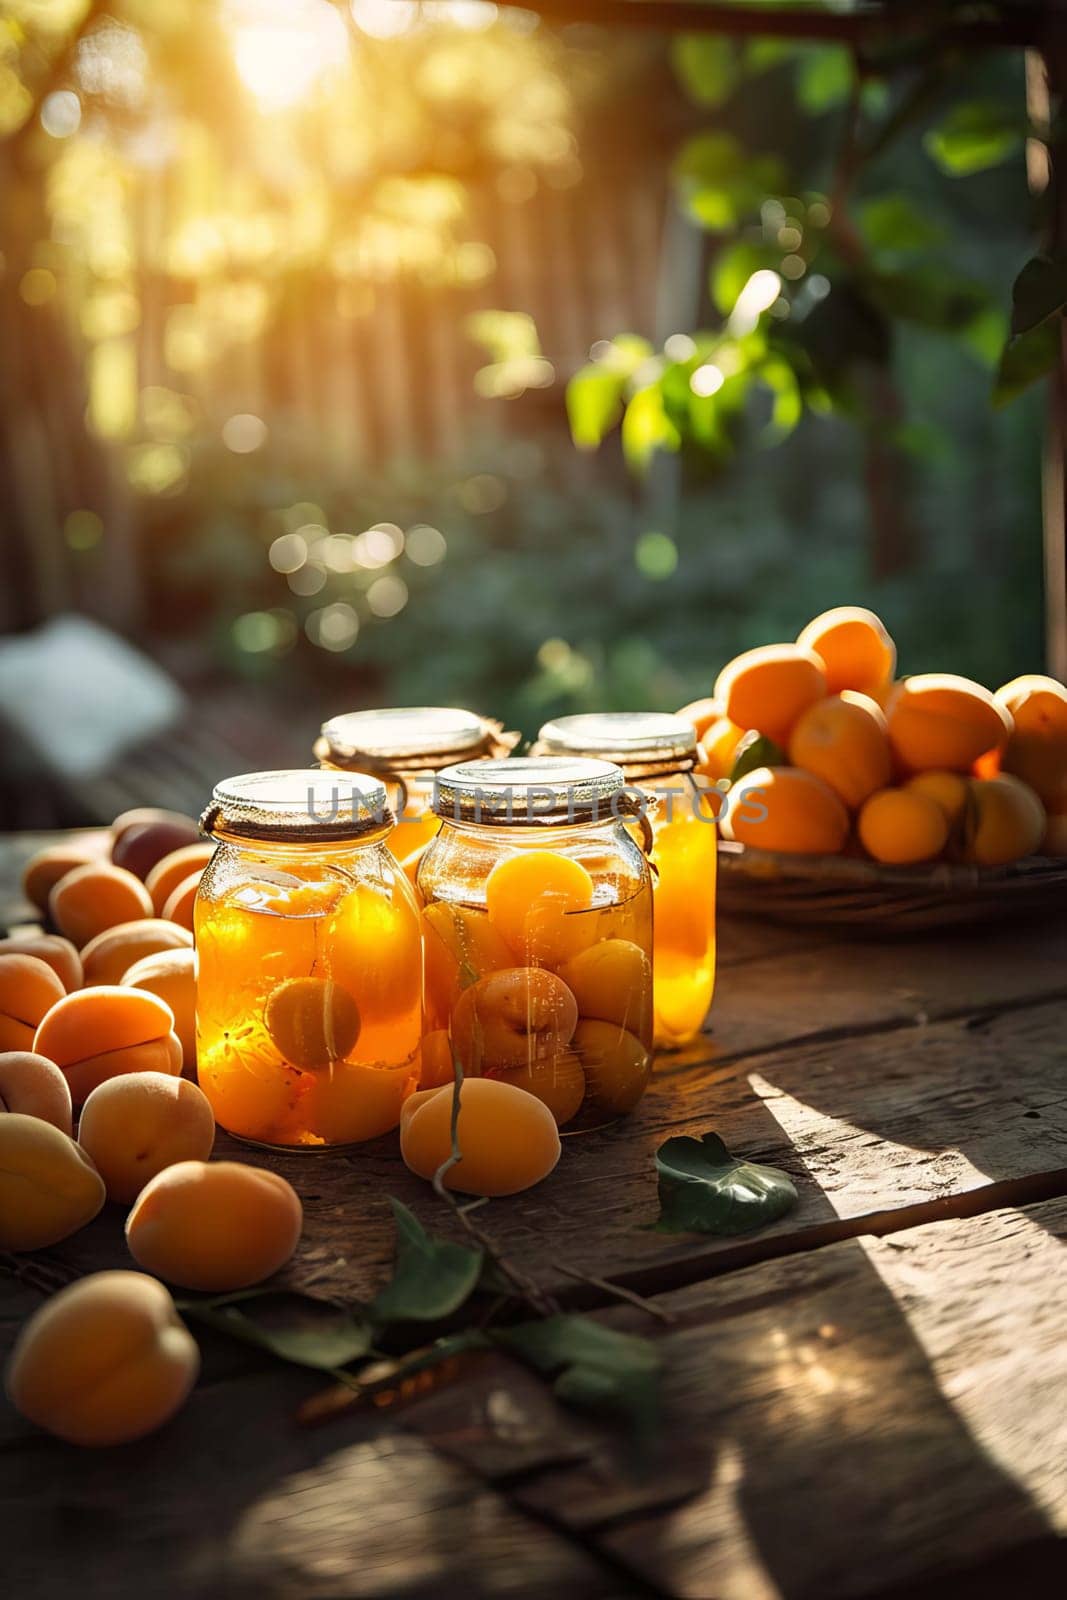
(826, 75)
(1038, 301)
(1039, 292)
(975, 136)
(704, 1189)
(706, 65)
(596, 392)
(594, 1367)
(431, 1278)
(720, 184)
(891, 222)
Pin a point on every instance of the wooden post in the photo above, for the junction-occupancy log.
(1046, 80)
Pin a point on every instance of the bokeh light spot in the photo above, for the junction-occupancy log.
(655, 555)
(243, 433)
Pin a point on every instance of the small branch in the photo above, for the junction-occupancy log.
(527, 1289)
(606, 1286)
(876, 24)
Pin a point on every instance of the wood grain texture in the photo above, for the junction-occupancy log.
(837, 1424)
(895, 1127)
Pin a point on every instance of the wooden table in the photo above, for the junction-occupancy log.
(867, 1398)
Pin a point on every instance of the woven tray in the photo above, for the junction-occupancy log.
(844, 891)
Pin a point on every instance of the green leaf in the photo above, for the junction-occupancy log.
(295, 1328)
(732, 268)
(760, 55)
(706, 66)
(929, 296)
(973, 137)
(825, 75)
(594, 403)
(986, 335)
(646, 427)
(595, 1367)
(432, 1277)
(1039, 292)
(891, 222)
(1025, 359)
(755, 750)
(704, 1189)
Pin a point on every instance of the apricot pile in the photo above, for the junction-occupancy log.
(916, 769)
(540, 989)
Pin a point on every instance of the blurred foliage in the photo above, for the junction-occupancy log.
(862, 222)
(821, 256)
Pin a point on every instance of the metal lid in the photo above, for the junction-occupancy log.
(297, 805)
(532, 791)
(643, 743)
(408, 739)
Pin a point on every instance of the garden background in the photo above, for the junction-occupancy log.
(319, 321)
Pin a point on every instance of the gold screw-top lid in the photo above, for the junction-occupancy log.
(644, 744)
(298, 805)
(532, 791)
(409, 739)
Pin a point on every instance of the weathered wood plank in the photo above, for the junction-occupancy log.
(837, 1424)
(231, 1498)
(870, 1128)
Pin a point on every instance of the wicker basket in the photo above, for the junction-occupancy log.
(844, 891)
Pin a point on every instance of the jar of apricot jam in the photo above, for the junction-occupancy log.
(309, 989)
(658, 753)
(405, 746)
(537, 935)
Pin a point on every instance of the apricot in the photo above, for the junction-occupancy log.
(215, 1225)
(59, 953)
(106, 1031)
(508, 1138)
(768, 688)
(900, 826)
(171, 977)
(785, 808)
(950, 790)
(312, 1021)
(1008, 821)
(615, 1063)
(854, 646)
(141, 839)
(843, 740)
(107, 957)
(1055, 841)
(43, 871)
(373, 950)
(95, 897)
(354, 1101)
(35, 1087)
(512, 1017)
(559, 1083)
(179, 904)
(1037, 748)
(104, 1361)
(255, 1099)
(460, 945)
(535, 900)
(701, 714)
(939, 720)
(49, 1188)
(29, 988)
(612, 980)
(718, 749)
(173, 870)
(437, 1067)
(132, 1127)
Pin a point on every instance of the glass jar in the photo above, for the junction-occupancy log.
(658, 753)
(308, 1004)
(537, 935)
(405, 746)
